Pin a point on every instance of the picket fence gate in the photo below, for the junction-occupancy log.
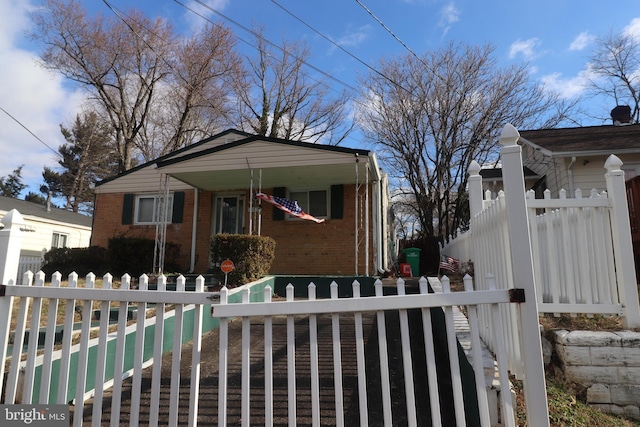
(39, 384)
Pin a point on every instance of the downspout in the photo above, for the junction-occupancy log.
(194, 230)
(570, 176)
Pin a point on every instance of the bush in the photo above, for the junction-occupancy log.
(251, 255)
(134, 255)
(83, 261)
(130, 255)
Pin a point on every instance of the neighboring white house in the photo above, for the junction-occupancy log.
(47, 227)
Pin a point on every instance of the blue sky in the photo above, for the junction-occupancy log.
(555, 37)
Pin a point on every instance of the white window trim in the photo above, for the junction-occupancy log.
(60, 234)
(327, 192)
(155, 197)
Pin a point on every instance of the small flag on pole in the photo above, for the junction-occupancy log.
(449, 264)
(289, 206)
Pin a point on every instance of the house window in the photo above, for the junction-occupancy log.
(313, 202)
(59, 240)
(149, 209)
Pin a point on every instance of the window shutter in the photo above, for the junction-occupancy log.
(337, 201)
(178, 207)
(127, 209)
(278, 215)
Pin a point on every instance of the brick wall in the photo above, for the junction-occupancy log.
(302, 247)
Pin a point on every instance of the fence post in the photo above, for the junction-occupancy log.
(10, 240)
(622, 245)
(475, 189)
(522, 258)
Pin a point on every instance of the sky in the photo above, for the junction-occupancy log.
(554, 37)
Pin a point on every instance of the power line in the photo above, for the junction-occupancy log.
(379, 21)
(257, 35)
(327, 38)
(32, 134)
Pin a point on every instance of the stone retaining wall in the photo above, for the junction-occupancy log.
(607, 364)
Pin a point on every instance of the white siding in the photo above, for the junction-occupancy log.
(42, 234)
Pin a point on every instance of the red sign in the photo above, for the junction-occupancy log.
(227, 266)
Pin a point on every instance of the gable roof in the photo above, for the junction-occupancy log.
(217, 139)
(227, 161)
(584, 141)
(36, 210)
(282, 162)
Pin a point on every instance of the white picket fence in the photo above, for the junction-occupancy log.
(577, 251)
(325, 360)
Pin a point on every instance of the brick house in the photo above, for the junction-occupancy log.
(210, 188)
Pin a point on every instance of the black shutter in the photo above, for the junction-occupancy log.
(337, 201)
(127, 209)
(278, 215)
(178, 207)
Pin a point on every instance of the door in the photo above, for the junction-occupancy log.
(228, 214)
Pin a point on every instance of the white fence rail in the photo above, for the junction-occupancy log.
(580, 248)
(282, 366)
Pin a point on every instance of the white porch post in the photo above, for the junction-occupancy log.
(521, 254)
(622, 245)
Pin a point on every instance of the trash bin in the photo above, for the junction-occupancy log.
(413, 259)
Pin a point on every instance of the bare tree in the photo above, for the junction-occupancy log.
(433, 115)
(616, 61)
(277, 98)
(157, 91)
(196, 99)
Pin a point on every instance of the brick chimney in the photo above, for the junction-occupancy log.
(621, 115)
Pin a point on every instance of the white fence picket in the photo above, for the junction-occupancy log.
(118, 367)
(45, 383)
(318, 312)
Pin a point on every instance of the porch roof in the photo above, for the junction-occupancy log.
(274, 162)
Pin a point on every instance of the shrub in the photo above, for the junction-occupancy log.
(251, 255)
(81, 260)
(134, 255)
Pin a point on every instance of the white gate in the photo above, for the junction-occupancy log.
(273, 383)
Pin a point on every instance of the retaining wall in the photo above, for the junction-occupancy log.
(607, 364)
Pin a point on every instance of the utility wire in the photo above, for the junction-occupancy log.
(327, 38)
(255, 34)
(379, 21)
(428, 66)
(32, 134)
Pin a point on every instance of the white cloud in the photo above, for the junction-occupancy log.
(524, 48)
(568, 88)
(449, 15)
(583, 40)
(355, 37)
(197, 22)
(633, 29)
(34, 97)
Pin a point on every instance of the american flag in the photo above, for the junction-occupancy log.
(289, 206)
(449, 264)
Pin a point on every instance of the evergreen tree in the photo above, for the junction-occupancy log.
(11, 185)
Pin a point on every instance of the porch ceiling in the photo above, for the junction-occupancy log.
(302, 177)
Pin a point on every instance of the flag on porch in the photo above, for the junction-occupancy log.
(289, 206)
(449, 264)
